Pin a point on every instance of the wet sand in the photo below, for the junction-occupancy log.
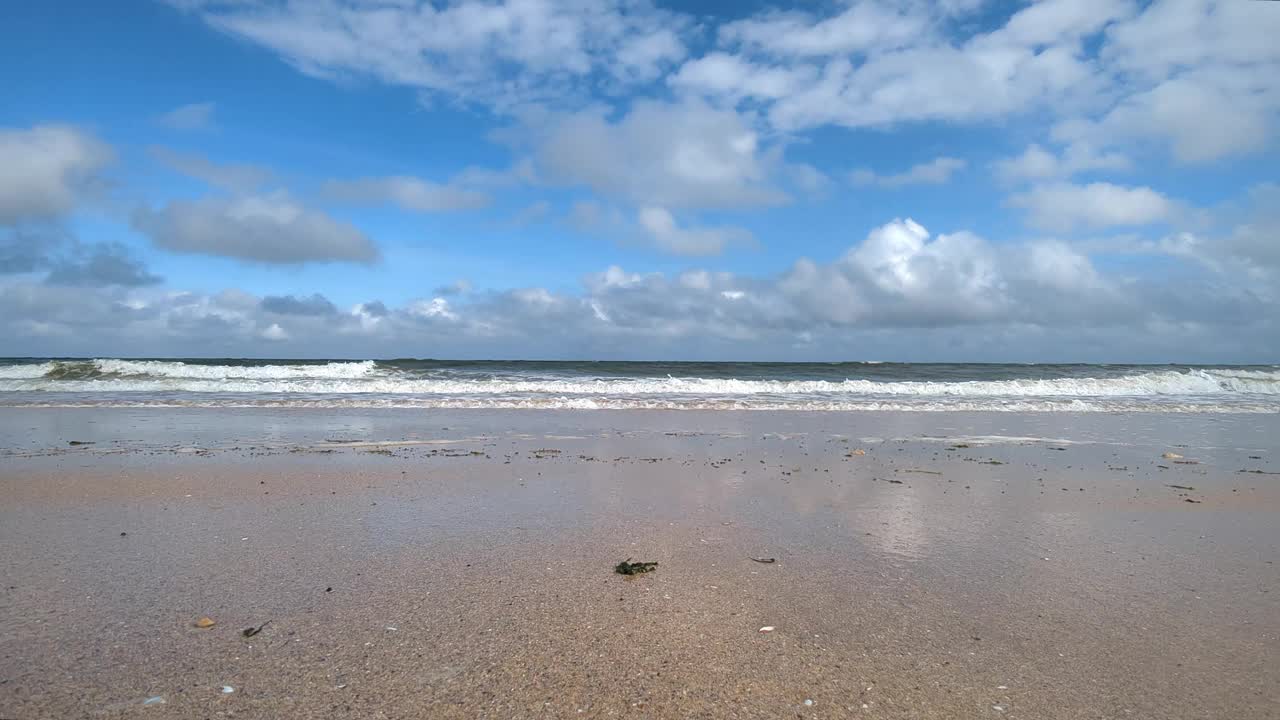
(460, 564)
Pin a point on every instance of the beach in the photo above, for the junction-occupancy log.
(460, 563)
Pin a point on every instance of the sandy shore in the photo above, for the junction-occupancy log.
(460, 564)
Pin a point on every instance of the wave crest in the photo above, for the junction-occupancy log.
(365, 377)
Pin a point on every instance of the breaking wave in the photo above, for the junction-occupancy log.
(126, 369)
(406, 384)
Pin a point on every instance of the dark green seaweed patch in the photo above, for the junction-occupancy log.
(626, 567)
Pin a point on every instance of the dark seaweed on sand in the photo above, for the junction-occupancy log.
(626, 567)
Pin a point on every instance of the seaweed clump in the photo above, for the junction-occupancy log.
(626, 567)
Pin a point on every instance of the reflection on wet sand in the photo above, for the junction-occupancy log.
(462, 565)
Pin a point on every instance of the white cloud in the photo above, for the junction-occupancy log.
(457, 287)
(1056, 265)
(234, 177)
(864, 25)
(410, 193)
(898, 292)
(879, 66)
(274, 333)
(195, 116)
(99, 265)
(1243, 242)
(682, 155)
(1202, 115)
(316, 305)
(501, 53)
(661, 227)
(950, 278)
(47, 169)
(647, 55)
(1197, 75)
(725, 76)
(263, 228)
(935, 172)
(807, 178)
(1037, 163)
(1064, 207)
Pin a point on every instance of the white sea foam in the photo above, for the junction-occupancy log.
(24, 372)
(342, 378)
(370, 384)
(165, 369)
(634, 403)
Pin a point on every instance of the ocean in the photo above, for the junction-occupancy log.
(826, 387)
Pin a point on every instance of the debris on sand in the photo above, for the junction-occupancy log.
(895, 481)
(1186, 462)
(918, 470)
(859, 451)
(73, 443)
(154, 700)
(1190, 500)
(1181, 487)
(766, 629)
(626, 567)
(766, 561)
(1258, 472)
(251, 631)
(1171, 456)
(206, 622)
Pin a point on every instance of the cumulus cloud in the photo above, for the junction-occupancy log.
(1038, 163)
(28, 250)
(673, 155)
(1241, 242)
(900, 290)
(195, 116)
(66, 261)
(409, 193)
(316, 305)
(46, 170)
(263, 228)
(99, 265)
(1204, 78)
(1064, 206)
(735, 78)
(233, 177)
(662, 229)
(935, 172)
(457, 287)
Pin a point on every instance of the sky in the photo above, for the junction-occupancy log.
(822, 180)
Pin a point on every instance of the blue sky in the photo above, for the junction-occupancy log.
(962, 180)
